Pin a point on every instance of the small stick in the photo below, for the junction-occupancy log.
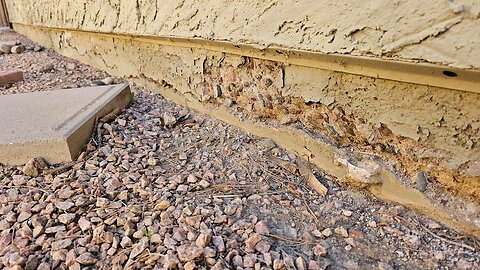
(98, 133)
(43, 190)
(110, 116)
(310, 211)
(285, 239)
(445, 239)
(68, 237)
(248, 172)
(227, 196)
(296, 242)
(63, 167)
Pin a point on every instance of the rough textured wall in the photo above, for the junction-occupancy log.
(436, 31)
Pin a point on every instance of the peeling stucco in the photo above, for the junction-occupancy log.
(442, 32)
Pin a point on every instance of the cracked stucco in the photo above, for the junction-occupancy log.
(442, 32)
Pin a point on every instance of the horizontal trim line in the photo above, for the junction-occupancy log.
(411, 72)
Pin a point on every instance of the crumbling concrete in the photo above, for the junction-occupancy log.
(54, 125)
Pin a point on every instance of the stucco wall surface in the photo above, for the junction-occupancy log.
(436, 31)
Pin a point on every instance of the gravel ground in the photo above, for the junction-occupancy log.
(196, 193)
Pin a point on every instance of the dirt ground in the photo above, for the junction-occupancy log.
(196, 193)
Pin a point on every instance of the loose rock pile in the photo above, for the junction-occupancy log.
(18, 48)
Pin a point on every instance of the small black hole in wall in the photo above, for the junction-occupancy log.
(449, 73)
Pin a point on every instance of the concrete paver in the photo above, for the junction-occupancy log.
(56, 124)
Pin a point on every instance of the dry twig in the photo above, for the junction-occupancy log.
(23, 186)
(63, 167)
(445, 239)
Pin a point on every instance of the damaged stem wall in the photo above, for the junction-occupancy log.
(376, 133)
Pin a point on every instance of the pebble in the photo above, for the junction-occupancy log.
(218, 243)
(86, 258)
(108, 80)
(263, 246)
(262, 228)
(327, 232)
(17, 49)
(350, 241)
(341, 231)
(126, 242)
(278, 264)
(138, 248)
(66, 218)
(228, 102)
(182, 156)
(204, 183)
(6, 49)
(121, 122)
(384, 266)
(285, 120)
(252, 241)
(33, 167)
(203, 240)
(32, 263)
(267, 143)
(55, 229)
(162, 205)
(23, 216)
(47, 68)
(16, 260)
(37, 48)
(61, 244)
(65, 206)
(421, 181)
(319, 250)
(372, 224)
(84, 224)
(37, 230)
(191, 179)
(190, 266)
(168, 119)
(188, 253)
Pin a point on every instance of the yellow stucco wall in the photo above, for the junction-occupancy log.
(435, 31)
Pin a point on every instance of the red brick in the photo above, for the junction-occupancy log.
(10, 77)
